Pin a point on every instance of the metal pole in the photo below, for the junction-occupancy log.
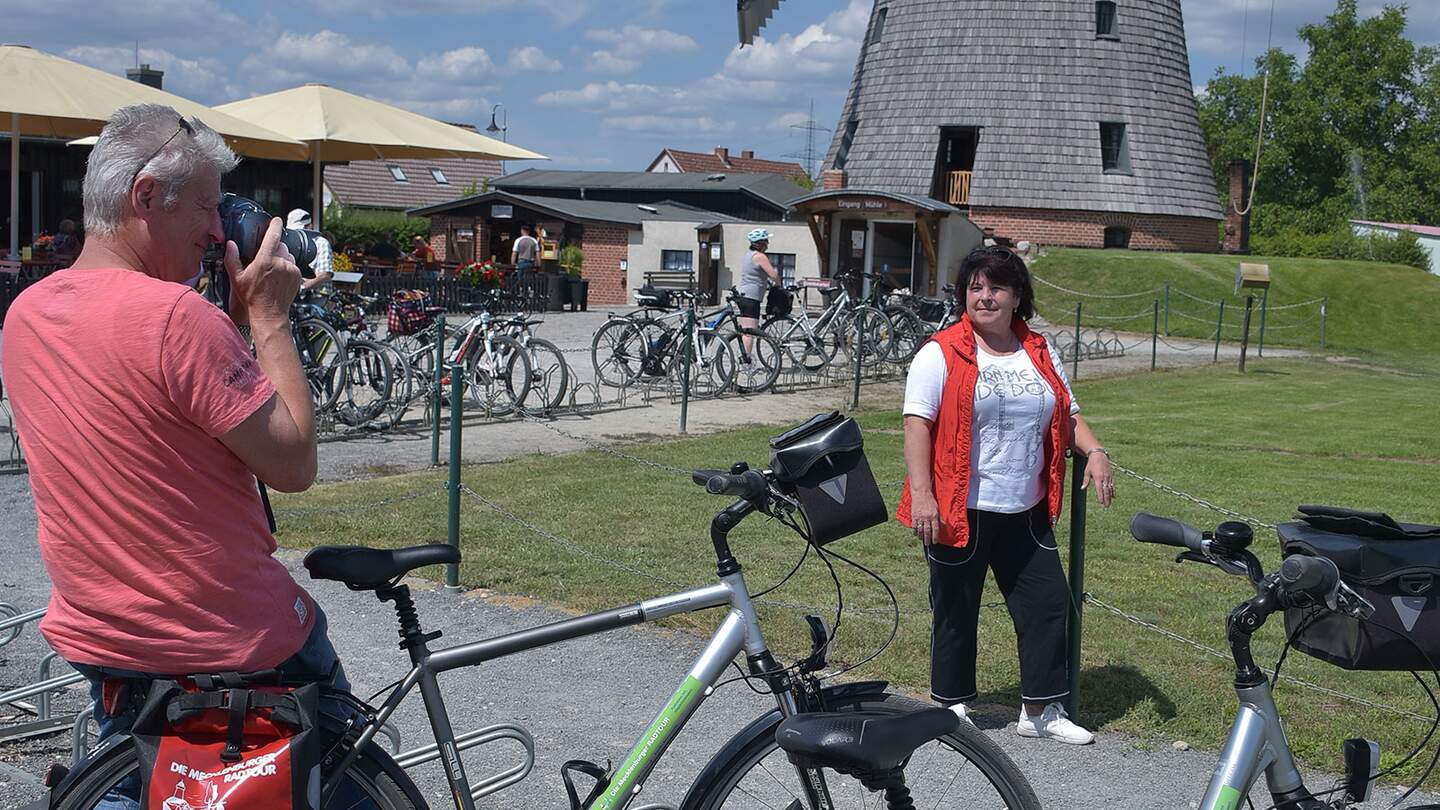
(1245, 332)
(15, 186)
(1077, 575)
(435, 391)
(457, 390)
(859, 349)
(1154, 333)
(1075, 374)
(1219, 322)
(1167, 310)
(1324, 312)
(686, 347)
(1264, 305)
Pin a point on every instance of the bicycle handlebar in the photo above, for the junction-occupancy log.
(1315, 577)
(1148, 528)
(749, 485)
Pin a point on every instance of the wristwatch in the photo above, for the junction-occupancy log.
(1095, 450)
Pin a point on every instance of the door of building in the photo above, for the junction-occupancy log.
(711, 257)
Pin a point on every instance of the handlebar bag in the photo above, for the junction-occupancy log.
(822, 463)
(778, 303)
(1395, 566)
(931, 310)
(204, 744)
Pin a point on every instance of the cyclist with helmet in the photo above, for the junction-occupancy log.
(757, 275)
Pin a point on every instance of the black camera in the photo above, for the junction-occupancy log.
(245, 223)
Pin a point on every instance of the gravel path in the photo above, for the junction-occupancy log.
(588, 698)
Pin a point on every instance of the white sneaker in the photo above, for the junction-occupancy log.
(1053, 724)
(961, 712)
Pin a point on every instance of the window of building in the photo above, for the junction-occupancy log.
(879, 31)
(439, 177)
(677, 261)
(1117, 237)
(843, 153)
(1114, 148)
(397, 173)
(1105, 18)
(784, 264)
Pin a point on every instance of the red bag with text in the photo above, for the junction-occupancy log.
(211, 742)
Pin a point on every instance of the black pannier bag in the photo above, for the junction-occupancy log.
(822, 462)
(657, 297)
(779, 303)
(930, 310)
(1395, 566)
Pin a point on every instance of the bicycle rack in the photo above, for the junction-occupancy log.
(14, 620)
(42, 689)
(471, 739)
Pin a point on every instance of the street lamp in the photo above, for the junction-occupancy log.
(503, 128)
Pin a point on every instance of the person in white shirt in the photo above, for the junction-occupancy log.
(323, 265)
(988, 417)
(524, 253)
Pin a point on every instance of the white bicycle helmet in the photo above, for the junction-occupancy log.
(758, 235)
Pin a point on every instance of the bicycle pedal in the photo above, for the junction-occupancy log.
(586, 768)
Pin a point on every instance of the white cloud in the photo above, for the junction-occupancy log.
(670, 125)
(531, 58)
(324, 55)
(609, 62)
(825, 50)
(199, 79)
(612, 95)
(460, 64)
(784, 121)
(563, 11)
(633, 40)
(104, 23)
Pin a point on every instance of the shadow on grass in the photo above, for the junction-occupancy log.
(1105, 694)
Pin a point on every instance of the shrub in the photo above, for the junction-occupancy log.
(1343, 243)
(364, 227)
(571, 259)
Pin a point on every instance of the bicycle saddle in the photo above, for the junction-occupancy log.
(364, 569)
(858, 742)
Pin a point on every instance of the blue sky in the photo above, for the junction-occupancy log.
(594, 84)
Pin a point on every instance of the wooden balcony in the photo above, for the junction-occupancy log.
(957, 188)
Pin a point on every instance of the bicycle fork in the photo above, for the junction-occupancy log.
(1257, 742)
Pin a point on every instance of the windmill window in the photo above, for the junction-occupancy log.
(440, 177)
(843, 153)
(1105, 19)
(878, 32)
(397, 173)
(1114, 148)
(1117, 237)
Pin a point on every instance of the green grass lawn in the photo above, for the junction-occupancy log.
(1384, 311)
(1289, 432)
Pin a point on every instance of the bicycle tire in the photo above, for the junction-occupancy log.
(908, 335)
(800, 349)
(549, 373)
(617, 351)
(870, 329)
(321, 354)
(374, 772)
(741, 785)
(501, 387)
(760, 367)
(713, 366)
(369, 383)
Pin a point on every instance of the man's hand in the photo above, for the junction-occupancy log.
(264, 289)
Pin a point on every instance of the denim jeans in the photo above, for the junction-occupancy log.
(315, 659)
(522, 267)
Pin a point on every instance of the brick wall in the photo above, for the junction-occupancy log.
(1087, 228)
(440, 229)
(605, 246)
(1237, 225)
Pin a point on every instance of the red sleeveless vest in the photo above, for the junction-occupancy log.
(951, 433)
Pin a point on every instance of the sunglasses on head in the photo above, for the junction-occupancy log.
(184, 126)
(992, 250)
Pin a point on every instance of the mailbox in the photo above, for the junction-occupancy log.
(1252, 275)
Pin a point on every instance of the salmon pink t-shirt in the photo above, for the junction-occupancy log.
(152, 531)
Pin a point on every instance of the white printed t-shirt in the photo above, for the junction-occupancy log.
(1013, 407)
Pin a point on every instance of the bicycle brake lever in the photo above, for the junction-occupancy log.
(1346, 601)
(1193, 556)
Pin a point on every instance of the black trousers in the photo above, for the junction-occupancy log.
(1021, 550)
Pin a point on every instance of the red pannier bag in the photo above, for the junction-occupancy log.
(207, 742)
(407, 313)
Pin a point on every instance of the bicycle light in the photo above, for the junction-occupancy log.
(1362, 763)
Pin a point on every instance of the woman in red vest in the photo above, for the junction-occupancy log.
(988, 418)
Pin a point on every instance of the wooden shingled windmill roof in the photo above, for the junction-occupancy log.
(1037, 80)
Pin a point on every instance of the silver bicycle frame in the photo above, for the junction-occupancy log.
(1257, 742)
(739, 630)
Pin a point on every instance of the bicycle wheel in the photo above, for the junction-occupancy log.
(369, 380)
(499, 379)
(964, 769)
(759, 366)
(910, 333)
(868, 329)
(713, 364)
(810, 352)
(373, 781)
(321, 355)
(549, 374)
(617, 352)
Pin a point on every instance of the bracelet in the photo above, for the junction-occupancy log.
(1091, 452)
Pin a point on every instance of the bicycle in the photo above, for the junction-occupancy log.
(1257, 741)
(497, 367)
(812, 343)
(550, 374)
(629, 349)
(791, 756)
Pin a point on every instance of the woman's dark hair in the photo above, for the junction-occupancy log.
(1004, 268)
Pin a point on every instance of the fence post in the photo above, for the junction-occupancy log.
(435, 391)
(859, 349)
(1167, 309)
(1075, 373)
(687, 347)
(1077, 575)
(1154, 333)
(457, 413)
(1324, 312)
(1219, 323)
(1245, 332)
(1264, 305)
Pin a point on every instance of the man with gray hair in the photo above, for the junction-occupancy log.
(146, 420)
